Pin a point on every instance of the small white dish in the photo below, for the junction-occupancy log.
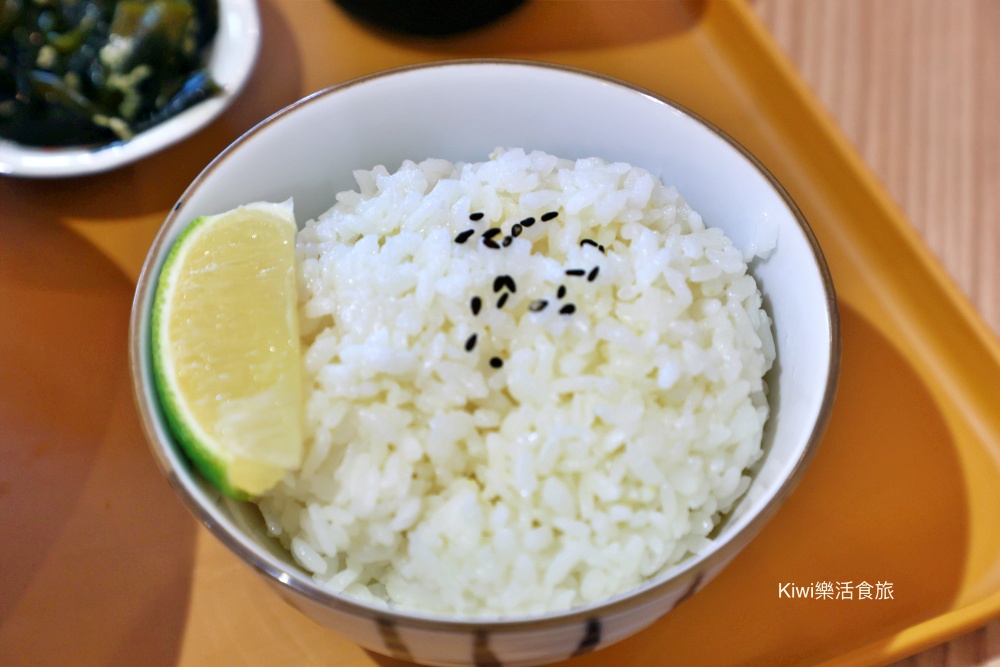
(232, 59)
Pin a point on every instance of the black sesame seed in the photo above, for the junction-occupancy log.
(502, 300)
(538, 305)
(593, 273)
(476, 304)
(496, 362)
(491, 232)
(568, 309)
(490, 243)
(464, 236)
(575, 272)
(528, 222)
(588, 242)
(548, 216)
(470, 344)
(476, 216)
(507, 240)
(562, 292)
(601, 248)
(504, 281)
(516, 229)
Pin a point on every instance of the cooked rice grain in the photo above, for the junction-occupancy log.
(602, 448)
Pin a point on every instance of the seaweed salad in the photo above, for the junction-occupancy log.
(86, 72)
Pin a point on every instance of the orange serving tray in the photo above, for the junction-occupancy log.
(101, 565)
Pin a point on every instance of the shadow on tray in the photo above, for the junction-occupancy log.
(96, 568)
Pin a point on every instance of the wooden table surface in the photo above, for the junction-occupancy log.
(913, 84)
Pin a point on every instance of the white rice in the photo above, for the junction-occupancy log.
(604, 449)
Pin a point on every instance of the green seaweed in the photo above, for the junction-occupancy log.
(92, 72)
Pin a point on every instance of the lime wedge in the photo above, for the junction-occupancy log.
(225, 347)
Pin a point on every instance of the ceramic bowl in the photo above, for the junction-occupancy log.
(231, 60)
(462, 111)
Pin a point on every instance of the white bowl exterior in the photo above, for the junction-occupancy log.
(519, 646)
(462, 111)
(234, 53)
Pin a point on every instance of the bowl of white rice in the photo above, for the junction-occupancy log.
(566, 348)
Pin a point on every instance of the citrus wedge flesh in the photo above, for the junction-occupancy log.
(225, 347)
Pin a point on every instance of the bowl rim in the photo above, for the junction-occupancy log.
(240, 21)
(689, 573)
